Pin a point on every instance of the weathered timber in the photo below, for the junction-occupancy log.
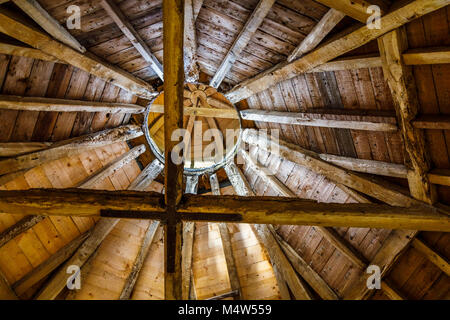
(261, 210)
(401, 82)
(65, 105)
(355, 122)
(146, 177)
(317, 34)
(23, 225)
(69, 147)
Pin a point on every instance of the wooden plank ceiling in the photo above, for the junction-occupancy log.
(219, 22)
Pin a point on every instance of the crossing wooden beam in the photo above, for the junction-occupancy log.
(173, 38)
(259, 210)
(23, 225)
(191, 10)
(146, 177)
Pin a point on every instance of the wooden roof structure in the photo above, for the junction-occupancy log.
(361, 177)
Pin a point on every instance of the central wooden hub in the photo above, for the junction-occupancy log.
(212, 128)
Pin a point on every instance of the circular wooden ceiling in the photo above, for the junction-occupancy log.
(212, 129)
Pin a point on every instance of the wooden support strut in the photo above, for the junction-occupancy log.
(173, 22)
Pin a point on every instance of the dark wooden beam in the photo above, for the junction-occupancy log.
(173, 22)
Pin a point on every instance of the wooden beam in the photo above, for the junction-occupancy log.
(391, 249)
(6, 293)
(136, 40)
(317, 34)
(187, 254)
(147, 241)
(173, 36)
(438, 55)
(333, 49)
(111, 168)
(11, 149)
(355, 122)
(404, 92)
(278, 258)
(440, 261)
(59, 280)
(62, 105)
(188, 244)
(202, 112)
(48, 23)
(44, 269)
(260, 210)
(367, 166)
(378, 189)
(226, 244)
(357, 9)
(304, 269)
(254, 21)
(390, 291)
(146, 177)
(22, 51)
(13, 27)
(190, 42)
(23, 225)
(237, 179)
(434, 122)
(69, 147)
(440, 176)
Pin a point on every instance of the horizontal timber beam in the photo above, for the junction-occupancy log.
(62, 105)
(22, 51)
(356, 122)
(13, 26)
(10, 149)
(333, 49)
(260, 210)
